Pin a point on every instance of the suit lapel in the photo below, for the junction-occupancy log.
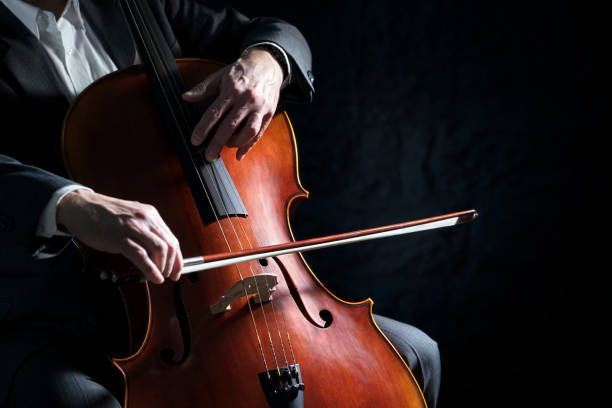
(109, 24)
(27, 63)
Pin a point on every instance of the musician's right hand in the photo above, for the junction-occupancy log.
(130, 228)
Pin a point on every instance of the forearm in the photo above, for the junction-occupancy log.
(26, 191)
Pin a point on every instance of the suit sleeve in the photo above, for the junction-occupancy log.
(26, 190)
(223, 34)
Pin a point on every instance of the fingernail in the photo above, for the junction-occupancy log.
(210, 157)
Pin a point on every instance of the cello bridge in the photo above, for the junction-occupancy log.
(261, 285)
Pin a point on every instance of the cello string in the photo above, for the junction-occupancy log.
(178, 85)
(274, 313)
(213, 173)
(273, 308)
(186, 111)
(165, 95)
(165, 92)
(258, 291)
(162, 66)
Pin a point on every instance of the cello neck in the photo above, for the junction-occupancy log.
(211, 185)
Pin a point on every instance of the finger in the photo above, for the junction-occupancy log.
(205, 89)
(247, 132)
(140, 258)
(226, 130)
(175, 257)
(209, 119)
(156, 248)
(177, 267)
(169, 240)
(170, 261)
(243, 150)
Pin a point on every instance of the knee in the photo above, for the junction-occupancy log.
(427, 351)
(59, 382)
(420, 352)
(413, 344)
(427, 367)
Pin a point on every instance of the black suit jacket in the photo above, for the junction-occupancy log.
(41, 299)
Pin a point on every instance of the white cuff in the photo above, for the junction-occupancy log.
(47, 223)
(280, 56)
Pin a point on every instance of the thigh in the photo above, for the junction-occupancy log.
(67, 377)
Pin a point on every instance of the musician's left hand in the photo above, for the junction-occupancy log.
(246, 94)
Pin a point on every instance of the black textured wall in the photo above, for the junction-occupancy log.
(426, 107)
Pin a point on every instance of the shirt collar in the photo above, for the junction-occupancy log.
(28, 14)
(72, 13)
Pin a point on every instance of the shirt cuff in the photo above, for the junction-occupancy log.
(47, 223)
(279, 55)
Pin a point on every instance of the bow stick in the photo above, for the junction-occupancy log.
(202, 263)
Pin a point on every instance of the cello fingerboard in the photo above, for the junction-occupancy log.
(212, 188)
(221, 189)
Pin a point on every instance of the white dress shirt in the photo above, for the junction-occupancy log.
(78, 59)
(78, 56)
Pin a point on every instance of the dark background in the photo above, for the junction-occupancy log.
(427, 107)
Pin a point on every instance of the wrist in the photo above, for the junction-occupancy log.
(272, 56)
(67, 206)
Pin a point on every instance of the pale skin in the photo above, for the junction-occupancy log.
(245, 97)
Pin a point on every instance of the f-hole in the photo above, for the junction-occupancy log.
(167, 354)
(324, 314)
(327, 317)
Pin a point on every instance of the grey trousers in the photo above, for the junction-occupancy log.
(420, 353)
(65, 376)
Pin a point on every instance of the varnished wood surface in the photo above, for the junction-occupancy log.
(112, 142)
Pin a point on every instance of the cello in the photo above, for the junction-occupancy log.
(252, 334)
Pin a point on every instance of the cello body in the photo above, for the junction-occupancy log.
(114, 142)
